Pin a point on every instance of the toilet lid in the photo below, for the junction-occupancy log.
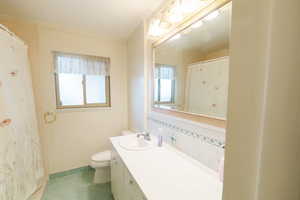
(102, 156)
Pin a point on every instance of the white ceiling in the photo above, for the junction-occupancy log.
(212, 35)
(117, 18)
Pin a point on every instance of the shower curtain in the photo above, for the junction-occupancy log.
(21, 168)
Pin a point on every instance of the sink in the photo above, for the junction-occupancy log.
(133, 143)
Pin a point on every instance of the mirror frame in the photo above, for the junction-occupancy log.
(210, 120)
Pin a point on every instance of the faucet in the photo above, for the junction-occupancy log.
(173, 139)
(144, 134)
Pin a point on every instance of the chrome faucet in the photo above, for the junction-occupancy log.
(144, 134)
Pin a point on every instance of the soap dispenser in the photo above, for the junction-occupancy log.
(160, 137)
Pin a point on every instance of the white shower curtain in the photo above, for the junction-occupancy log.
(21, 167)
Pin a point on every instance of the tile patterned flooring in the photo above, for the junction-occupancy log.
(77, 186)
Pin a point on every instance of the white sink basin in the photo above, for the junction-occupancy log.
(133, 143)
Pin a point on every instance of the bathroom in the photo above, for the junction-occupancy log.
(149, 100)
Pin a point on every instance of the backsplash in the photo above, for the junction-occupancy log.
(200, 141)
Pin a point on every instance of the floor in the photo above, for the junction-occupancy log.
(77, 186)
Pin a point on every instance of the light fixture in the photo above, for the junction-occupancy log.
(189, 6)
(175, 37)
(212, 15)
(175, 13)
(155, 28)
(175, 17)
(197, 24)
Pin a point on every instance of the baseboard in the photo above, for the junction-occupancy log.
(69, 172)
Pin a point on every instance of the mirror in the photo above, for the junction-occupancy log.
(191, 69)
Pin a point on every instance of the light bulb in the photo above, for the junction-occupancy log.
(155, 29)
(174, 18)
(175, 14)
(189, 6)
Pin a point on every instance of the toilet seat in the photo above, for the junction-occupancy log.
(102, 156)
(101, 159)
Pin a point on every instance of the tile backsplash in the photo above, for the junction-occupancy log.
(200, 141)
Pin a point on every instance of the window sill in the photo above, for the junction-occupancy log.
(61, 110)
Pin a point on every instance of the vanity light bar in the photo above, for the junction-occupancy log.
(210, 10)
(174, 13)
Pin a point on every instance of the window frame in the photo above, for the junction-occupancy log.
(85, 104)
(172, 90)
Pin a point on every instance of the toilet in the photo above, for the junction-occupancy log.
(101, 163)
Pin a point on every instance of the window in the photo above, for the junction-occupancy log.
(81, 81)
(164, 90)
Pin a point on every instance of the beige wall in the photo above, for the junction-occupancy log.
(196, 56)
(263, 140)
(216, 54)
(281, 138)
(77, 134)
(137, 81)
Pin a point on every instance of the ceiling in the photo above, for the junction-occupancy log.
(212, 35)
(117, 18)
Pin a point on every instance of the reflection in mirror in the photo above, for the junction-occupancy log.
(192, 68)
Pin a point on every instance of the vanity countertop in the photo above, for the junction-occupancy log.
(164, 173)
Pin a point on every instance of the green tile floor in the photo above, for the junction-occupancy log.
(77, 185)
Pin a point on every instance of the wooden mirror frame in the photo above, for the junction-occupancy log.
(210, 120)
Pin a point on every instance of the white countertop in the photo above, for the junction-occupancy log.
(164, 173)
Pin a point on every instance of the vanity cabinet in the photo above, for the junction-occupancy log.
(123, 185)
(117, 176)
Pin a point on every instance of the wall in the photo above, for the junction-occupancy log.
(216, 54)
(77, 134)
(137, 81)
(200, 141)
(196, 56)
(263, 140)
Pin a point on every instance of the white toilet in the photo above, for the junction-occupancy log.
(101, 163)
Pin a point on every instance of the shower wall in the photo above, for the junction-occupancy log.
(21, 168)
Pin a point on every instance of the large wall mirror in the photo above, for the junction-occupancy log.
(191, 69)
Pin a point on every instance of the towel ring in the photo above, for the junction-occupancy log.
(5, 122)
(49, 117)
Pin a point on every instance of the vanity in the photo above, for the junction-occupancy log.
(159, 173)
